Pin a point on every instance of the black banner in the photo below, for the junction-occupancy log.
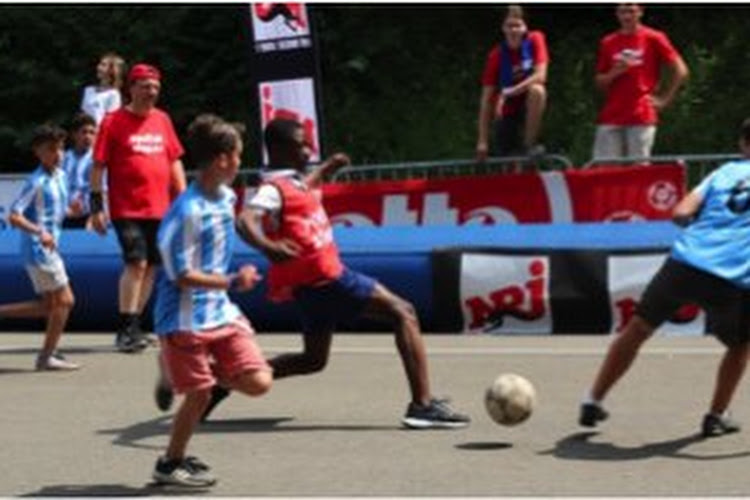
(285, 69)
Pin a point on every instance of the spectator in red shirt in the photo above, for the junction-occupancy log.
(513, 89)
(138, 146)
(628, 68)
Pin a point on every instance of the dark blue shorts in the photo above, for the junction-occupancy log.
(343, 300)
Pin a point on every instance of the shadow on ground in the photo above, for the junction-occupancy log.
(112, 490)
(579, 446)
(133, 436)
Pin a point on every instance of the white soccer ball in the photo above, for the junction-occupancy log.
(510, 399)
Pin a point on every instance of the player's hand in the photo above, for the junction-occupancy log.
(247, 277)
(658, 102)
(482, 151)
(283, 250)
(99, 223)
(621, 66)
(337, 161)
(75, 209)
(47, 240)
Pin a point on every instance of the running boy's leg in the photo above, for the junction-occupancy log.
(58, 304)
(424, 411)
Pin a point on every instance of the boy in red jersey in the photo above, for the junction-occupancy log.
(286, 221)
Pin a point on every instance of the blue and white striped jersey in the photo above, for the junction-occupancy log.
(43, 200)
(197, 234)
(78, 169)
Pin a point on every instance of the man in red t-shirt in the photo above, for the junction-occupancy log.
(138, 146)
(513, 89)
(628, 68)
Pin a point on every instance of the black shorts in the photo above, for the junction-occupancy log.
(137, 239)
(509, 134)
(677, 284)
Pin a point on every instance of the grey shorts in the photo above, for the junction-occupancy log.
(48, 277)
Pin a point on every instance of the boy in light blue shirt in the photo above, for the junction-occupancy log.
(709, 265)
(38, 212)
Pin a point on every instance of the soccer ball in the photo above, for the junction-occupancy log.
(510, 399)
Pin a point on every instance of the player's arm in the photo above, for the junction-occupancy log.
(178, 180)
(178, 244)
(19, 221)
(538, 76)
(96, 198)
(687, 208)
(244, 279)
(329, 167)
(483, 122)
(250, 229)
(680, 73)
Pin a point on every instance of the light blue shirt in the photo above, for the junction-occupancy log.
(197, 234)
(43, 200)
(718, 241)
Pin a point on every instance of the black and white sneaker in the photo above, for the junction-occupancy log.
(130, 342)
(436, 415)
(591, 414)
(718, 425)
(190, 472)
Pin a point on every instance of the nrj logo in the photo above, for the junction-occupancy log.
(525, 302)
(626, 308)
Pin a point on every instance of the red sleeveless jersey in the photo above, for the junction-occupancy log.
(304, 221)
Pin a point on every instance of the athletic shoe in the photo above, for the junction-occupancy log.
(718, 425)
(218, 394)
(437, 414)
(55, 362)
(130, 342)
(163, 394)
(591, 414)
(189, 472)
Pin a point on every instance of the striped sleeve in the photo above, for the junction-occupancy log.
(25, 197)
(179, 243)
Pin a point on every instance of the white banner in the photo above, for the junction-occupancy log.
(628, 277)
(503, 294)
(293, 100)
(9, 189)
(280, 26)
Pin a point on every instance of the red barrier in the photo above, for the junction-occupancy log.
(598, 194)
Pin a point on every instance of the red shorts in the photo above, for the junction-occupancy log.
(197, 360)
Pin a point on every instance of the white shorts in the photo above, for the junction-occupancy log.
(48, 277)
(618, 141)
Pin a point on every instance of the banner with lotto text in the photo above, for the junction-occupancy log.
(596, 195)
(284, 67)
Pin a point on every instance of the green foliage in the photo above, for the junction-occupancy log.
(400, 82)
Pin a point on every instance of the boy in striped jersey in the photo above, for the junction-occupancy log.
(38, 212)
(204, 336)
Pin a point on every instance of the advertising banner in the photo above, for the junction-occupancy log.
(595, 195)
(284, 69)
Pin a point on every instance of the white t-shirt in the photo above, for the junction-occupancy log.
(97, 103)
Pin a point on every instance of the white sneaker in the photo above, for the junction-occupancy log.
(55, 362)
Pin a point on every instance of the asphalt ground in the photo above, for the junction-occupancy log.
(337, 433)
